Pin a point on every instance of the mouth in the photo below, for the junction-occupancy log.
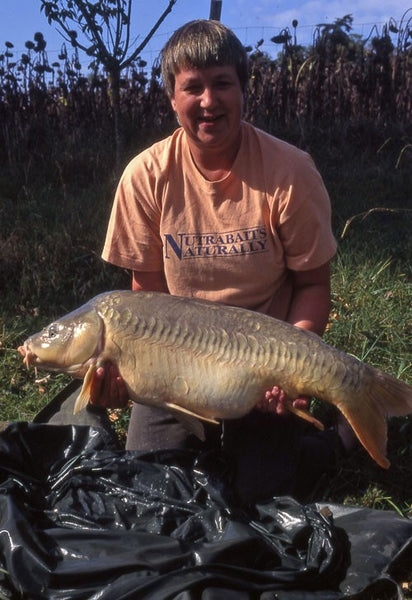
(209, 120)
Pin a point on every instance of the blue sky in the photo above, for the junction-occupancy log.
(250, 19)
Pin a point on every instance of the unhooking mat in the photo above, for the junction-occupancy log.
(80, 519)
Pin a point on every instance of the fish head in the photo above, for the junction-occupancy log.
(69, 344)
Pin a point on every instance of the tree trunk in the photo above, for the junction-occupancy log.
(114, 95)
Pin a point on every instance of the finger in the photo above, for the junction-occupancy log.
(102, 388)
(281, 402)
(118, 394)
(100, 372)
(302, 403)
(269, 404)
(96, 388)
(275, 391)
(272, 397)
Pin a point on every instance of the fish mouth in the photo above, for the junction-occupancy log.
(31, 359)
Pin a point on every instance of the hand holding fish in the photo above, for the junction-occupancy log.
(275, 401)
(108, 388)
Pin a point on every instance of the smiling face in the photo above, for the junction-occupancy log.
(209, 104)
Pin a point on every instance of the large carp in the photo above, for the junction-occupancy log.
(206, 360)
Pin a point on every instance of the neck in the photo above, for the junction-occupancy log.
(215, 164)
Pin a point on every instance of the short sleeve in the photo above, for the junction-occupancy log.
(133, 238)
(304, 219)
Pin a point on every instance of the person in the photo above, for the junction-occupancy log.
(223, 211)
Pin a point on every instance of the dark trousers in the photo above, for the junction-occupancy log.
(271, 455)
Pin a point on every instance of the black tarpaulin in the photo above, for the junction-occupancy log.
(80, 519)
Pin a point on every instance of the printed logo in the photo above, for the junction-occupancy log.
(205, 245)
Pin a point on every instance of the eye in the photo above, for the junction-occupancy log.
(52, 330)
(194, 90)
(223, 84)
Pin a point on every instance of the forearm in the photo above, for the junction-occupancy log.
(149, 281)
(310, 308)
(311, 301)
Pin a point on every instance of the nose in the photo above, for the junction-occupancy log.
(208, 99)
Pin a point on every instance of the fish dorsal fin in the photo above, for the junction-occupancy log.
(85, 393)
(190, 419)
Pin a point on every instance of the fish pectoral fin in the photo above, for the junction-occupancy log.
(190, 420)
(303, 414)
(85, 393)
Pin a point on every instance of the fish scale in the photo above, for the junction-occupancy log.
(203, 360)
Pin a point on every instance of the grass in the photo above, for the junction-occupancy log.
(368, 319)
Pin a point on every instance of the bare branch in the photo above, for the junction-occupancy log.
(138, 50)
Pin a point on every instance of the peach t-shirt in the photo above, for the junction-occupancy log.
(232, 240)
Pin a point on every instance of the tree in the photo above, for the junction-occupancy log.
(105, 35)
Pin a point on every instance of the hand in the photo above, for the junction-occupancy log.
(275, 401)
(108, 389)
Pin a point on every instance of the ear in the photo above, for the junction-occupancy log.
(173, 103)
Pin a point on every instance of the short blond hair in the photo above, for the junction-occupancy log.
(201, 44)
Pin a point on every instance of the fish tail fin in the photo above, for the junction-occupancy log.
(85, 393)
(381, 396)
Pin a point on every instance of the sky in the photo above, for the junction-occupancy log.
(251, 20)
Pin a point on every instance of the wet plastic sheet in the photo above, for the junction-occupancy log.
(81, 519)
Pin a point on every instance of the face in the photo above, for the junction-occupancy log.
(209, 104)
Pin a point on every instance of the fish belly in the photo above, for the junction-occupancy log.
(202, 382)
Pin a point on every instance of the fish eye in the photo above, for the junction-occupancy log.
(52, 330)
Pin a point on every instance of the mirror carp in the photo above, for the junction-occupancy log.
(208, 361)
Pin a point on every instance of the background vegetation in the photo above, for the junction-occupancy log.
(345, 100)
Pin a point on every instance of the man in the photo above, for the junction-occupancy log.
(221, 210)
